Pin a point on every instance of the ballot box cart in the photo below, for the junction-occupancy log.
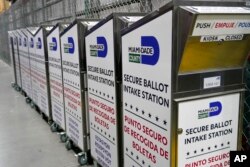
(17, 61)
(75, 87)
(21, 61)
(12, 58)
(24, 63)
(103, 53)
(42, 72)
(55, 77)
(24, 52)
(183, 86)
(33, 67)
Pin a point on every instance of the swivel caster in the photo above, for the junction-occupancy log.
(42, 115)
(22, 93)
(32, 105)
(82, 159)
(53, 127)
(27, 100)
(50, 122)
(69, 145)
(63, 137)
(17, 88)
(13, 85)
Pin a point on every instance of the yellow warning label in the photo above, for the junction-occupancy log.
(205, 56)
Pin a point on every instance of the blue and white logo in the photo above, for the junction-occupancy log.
(31, 42)
(20, 41)
(148, 53)
(25, 42)
(15, 41)
(70, 46)
(53, 44)
(214, 109)
(39, 43)
(101, 49)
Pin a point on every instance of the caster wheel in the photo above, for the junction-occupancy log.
(27, 100)
(50, 122)
(13, 85)
(41, 114)
(82, 159)
(17, 88)
(32, 105)
(53, 127)
(68, 145)
(63, 137)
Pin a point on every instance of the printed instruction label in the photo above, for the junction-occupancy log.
(212, 82)
(221, 25)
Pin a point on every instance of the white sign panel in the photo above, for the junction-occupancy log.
(210, 132)
(27, 63)
(72, 86)
(41, 73)
(33, 71)
(24, 63)
(19, 38)
(102, 95)
(221, 25)
(22, 60)
(216, 9)
(55, 74)
(146, 60)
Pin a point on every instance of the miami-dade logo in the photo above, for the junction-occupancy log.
(20, 41)
(15, 41)
(25, 42)
(39, 43)
(148, 53)
(214, 109)
(100, 49)
(53, 44)
(31, 42)
(70, 46)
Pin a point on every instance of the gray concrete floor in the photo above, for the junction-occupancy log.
(25, 138)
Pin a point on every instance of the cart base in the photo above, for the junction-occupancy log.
(83, 158)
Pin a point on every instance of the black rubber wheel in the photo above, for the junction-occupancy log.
(32, 105)
(83, 159)
(13, 85)
(63, 137)
(50, 122)
(68, 145)
(42, 115)
(54, 127)
(27, 100)
(17, 88)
